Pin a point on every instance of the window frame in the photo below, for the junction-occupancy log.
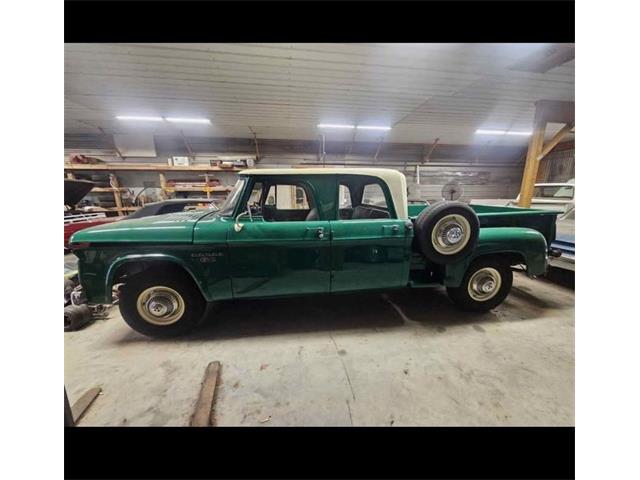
(359, 190)
(269, 181)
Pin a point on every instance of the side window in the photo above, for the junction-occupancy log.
(301, 199)
(287, 202)
(374, 196)
(256, 193)
(344, 197)
(287, 197)
(271, 197)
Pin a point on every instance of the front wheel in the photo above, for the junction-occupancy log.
(485, 285)
(158, 304)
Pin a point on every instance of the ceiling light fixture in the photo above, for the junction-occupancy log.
(481, 131)
(187, 120)
(142, 119)
(334, 125)
(372, 127)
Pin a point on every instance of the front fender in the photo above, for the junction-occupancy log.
(526, 243)
(151, 257)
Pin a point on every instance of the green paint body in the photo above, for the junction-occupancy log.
(270, 259)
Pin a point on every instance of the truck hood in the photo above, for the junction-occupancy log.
(169, 228)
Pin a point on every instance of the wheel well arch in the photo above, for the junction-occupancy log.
(454, 273)
(128, 267)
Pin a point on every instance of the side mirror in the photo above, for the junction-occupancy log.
(237, 225)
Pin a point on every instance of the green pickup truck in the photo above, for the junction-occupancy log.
(284, 232)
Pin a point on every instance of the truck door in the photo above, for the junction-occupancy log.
(371, 247)
(284, 248)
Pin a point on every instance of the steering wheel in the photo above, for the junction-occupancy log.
(255, 209)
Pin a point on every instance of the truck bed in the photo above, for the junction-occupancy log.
(541, 220)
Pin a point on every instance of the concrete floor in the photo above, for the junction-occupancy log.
(404, 358)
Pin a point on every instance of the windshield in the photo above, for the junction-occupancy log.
(230, 203)
(559, 192)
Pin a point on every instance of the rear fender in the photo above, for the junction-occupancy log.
(518, 245)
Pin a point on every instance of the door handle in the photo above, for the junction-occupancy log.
(394, 228)
(319, 231)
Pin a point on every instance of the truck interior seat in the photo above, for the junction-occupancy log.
(312, 215)
(362, 212)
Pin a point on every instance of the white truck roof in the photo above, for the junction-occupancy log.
(394, 179)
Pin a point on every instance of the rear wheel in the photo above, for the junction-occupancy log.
(485, 285)
(159, 304)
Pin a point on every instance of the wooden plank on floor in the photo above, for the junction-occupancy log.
(203, 416)
(82, 404)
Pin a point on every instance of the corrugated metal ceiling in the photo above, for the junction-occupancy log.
(282, 91)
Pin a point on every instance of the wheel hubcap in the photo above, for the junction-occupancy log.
(451, 234)
(160, 305)
(484, 284)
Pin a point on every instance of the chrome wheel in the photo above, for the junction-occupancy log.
(160, 305)
(484, 284)
(451, 234)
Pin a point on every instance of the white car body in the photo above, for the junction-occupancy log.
(561, 197)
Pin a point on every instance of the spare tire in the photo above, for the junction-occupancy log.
(447, 231)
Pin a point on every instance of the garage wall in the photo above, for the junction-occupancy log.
(483, 172)
(478, 182)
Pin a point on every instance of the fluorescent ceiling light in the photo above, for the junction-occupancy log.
(142, 119)
(334, 125)
(481, 131)
(187, 120)
(372, 127)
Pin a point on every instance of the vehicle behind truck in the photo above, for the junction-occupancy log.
(284, 232)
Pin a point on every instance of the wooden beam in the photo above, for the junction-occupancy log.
(188, 147)
(531, 164)
(375, 157)
(203, 416)
(543, 60)
(556, 111)
(431, 149)
(145, 167)
(353, 141)
(557, 138)
(113, 143)
(255, 141)
(81, 405)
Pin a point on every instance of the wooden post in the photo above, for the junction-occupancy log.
(163, 184)
(113, 180)
(536, 143)
(206, 185)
